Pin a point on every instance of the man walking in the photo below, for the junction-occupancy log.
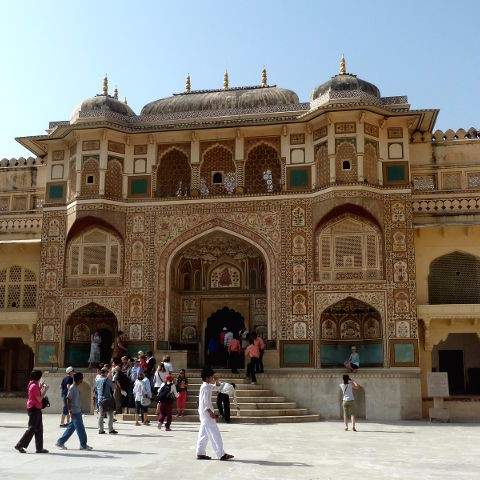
(75, 412)
(66, 382)
(106, 402)
(226, 391)
(253, 353)
(234, 349)
(208, 424)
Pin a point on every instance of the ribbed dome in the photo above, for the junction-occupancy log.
(232, 98)
(345, 86)
(105, 103)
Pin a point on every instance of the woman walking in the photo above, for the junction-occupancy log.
(142, 400)
(36, 393)
(182, 387)
(347, 387)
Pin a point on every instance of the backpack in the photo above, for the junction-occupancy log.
(165, 394)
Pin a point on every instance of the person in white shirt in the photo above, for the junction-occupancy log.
(142, 397)
(226, 392)
(227, 338)
(208, 424)
(348, 400)
(168, 365)
(159, 377)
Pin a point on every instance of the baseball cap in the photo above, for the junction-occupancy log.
(69, 370)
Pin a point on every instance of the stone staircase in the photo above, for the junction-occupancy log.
(257, 404)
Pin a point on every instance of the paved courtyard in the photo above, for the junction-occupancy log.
(321, 450)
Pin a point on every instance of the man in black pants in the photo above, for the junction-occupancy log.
(225, 392)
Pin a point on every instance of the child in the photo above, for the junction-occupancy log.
(208, 423)
(353, 362)
(140, 394)
(226, 391)
(182, 387)
(348, 401)
(166, 395)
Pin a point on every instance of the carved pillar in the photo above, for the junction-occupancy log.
(102, 164)
(195, 180)
(240, 175)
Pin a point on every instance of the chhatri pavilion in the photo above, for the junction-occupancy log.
(345, 220)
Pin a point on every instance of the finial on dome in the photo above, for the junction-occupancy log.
(115, 93)
(225, 80)
(264, 82)
(343, 65)
(125, 101)
(188, 84)
(105, 85)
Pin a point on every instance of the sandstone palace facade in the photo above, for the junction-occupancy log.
(345, 220)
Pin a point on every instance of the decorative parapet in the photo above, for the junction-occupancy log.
(439, 205)
(440, 137)
(21, 162)
(31, 224)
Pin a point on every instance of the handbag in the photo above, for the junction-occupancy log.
(145, 401)
(107, 404)
(45, 402)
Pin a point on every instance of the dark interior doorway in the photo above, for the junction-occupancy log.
(223, 318)
(451, 361)
(16, 363)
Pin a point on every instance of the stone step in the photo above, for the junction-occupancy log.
(244, 399)
(279, 410)
(253, 406)
(194, 387)
(239, 419)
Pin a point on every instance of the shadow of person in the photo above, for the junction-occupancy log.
(81, 455)
(268, 463)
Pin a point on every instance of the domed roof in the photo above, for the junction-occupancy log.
(227, 99)
(104, 103)
(345, 87)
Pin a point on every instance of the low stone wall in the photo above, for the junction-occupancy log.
(54, 380)
(386, 394)
(465, 409)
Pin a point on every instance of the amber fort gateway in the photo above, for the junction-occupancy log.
(346, 220)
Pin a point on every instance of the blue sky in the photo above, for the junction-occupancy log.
(54, 54)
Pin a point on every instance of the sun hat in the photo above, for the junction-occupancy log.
(69, 369)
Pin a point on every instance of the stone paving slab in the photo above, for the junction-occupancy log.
(322, 450)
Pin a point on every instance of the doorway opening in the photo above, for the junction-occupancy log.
(222, 321)
(459, 356)
(80, 327)
(16, 363)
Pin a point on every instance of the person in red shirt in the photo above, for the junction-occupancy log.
(234, 349)
(36, 392)
(253, 354)
(258, 341)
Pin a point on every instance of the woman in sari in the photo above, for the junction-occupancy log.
(94, 358)
(119, 348)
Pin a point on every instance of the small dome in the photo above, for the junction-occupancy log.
(102, 103)
(228, 99)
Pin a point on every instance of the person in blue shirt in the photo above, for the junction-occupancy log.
(353, 362)
(66, 382)
(73, 405)
(104, 387)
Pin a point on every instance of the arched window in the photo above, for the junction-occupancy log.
(93, 254)
(217, 171)
(263, 170)
(370, 164)
(18, 288)
(454, 278)
(323, 165)
(114, 179)
(349, 248)
(173, 174)
(346, 163)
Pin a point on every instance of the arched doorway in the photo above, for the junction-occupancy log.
(227, 318)
(214, 271)
(351, 322)
(16, 363)
(81, 325)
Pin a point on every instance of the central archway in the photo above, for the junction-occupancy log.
(216, 271)
(80, 327)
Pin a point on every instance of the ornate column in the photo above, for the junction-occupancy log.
(195, 165)
(240, 161)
